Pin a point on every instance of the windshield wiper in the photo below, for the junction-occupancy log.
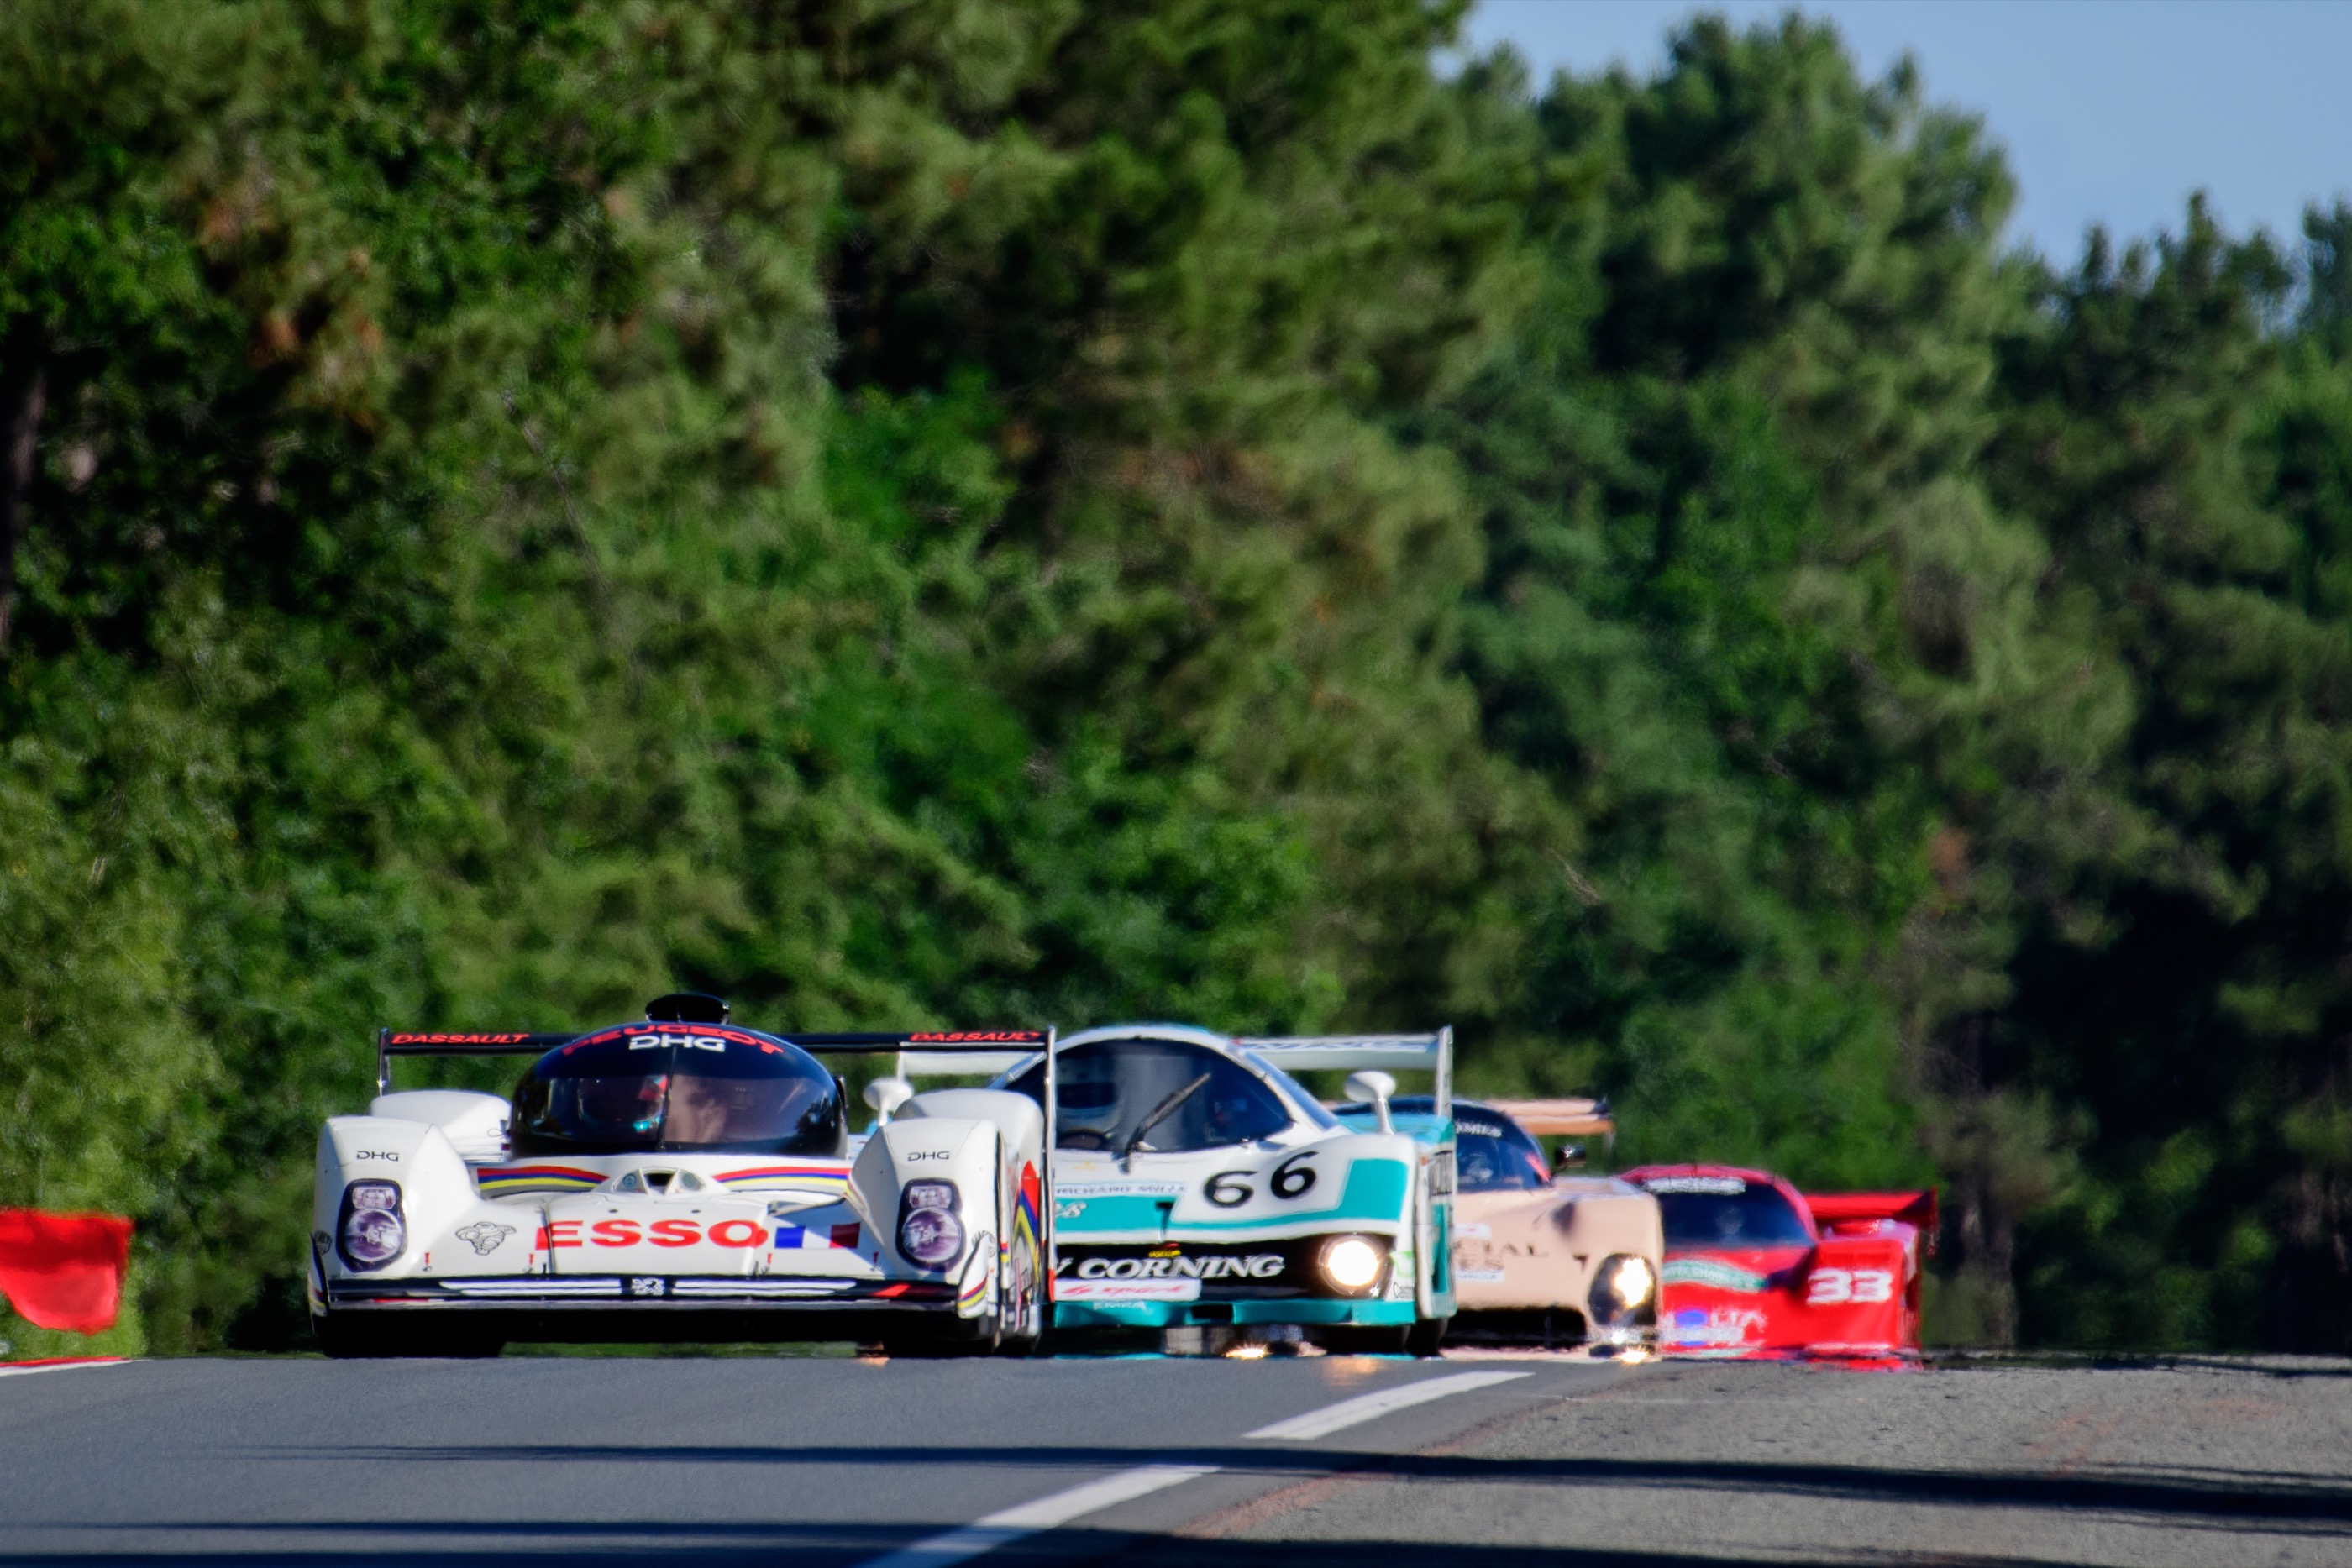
(1161, 1113)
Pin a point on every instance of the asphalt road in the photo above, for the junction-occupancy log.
(1300, 1463)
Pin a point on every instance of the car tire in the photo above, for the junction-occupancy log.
(990, 1340)
(1349, 1339)
(343, 1338)
(1425, 1335)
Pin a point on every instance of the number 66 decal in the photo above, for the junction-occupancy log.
(1834, 1287)
(1291, 1179)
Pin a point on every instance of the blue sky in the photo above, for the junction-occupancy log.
(2112, 110)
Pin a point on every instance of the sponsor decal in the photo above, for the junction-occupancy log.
(1716, 1327)
(929, 1155)
(485, 1237)
(1479, 1276)
(1477, 1129)
(458, 1039)
(978, 1037)
(1166, 1266)
(376, 1155)
(696, 1041)
(1082, 1190)
(673, 1033)
(1720, 1186)
(647, 1285)
(1712, 1272)
(846, 1236)
(659, 1233)
(1838, 1287)
(1127, 1290)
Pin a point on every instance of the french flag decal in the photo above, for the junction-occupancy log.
(844, 1236)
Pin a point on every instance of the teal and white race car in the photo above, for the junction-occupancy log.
(1199, 1190)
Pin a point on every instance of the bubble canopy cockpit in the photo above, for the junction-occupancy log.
(678, 1088)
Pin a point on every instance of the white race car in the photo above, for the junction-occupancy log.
(1198, 1189)
(679, 1178)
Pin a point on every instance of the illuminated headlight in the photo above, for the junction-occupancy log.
(929, 1232)
(1630, 1279)
(372, 1231)
(1351, 1263)
(1624, 1288)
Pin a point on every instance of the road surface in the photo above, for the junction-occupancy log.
(1301, 1463)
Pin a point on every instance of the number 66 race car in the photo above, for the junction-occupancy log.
(1200, 1192)
(675, 1179)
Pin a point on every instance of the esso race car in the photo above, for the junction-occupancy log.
(679, 1177)
(1200, 1192)
(1543, 1259)
(1756, 1270)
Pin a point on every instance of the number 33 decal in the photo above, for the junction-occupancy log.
(1833, 1287)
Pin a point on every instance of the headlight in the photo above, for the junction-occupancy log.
(372, 1231)
(929, 1232)
(1630, 1280)
(1351, 1263)
(1624, 1288)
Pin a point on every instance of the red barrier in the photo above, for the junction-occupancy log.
(63, 1271)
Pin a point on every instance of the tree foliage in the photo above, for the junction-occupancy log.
(977, 511)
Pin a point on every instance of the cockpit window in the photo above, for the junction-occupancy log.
(1726, 1211)
(714, 1090)
(1178, 1096)
(1303, 1105)
(1491, 1152)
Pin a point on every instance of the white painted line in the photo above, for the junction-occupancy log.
(1045, 1513)
(1366, 1406)
(985, 1535)
(65, 1366)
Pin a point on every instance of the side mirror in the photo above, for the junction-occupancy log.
(1375, 1087)
(1569, 1158)
(886, 1095)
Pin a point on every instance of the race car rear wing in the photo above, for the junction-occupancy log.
(1916, 1209)
(965, 1051)
(1565, 1118)
(1354, 1052)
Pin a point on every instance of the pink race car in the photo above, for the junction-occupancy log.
(1755, 1270)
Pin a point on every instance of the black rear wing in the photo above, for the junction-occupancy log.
(986, 1045)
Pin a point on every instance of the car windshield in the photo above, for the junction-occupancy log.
(1107, 1089)
(1724, 1211)
(1491, 1152)
(713, 1090)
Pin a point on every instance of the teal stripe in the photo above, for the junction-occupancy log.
(1170, 1314)
(1376, 1190)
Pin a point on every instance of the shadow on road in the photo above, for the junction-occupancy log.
(2194, 1502)
(2182, 1497)
(762, 1546)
